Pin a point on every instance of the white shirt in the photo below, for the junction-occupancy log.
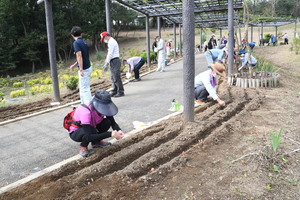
(285, 36)
(133, 61)
(113, 50)
(161, 46)
(204, 79)
(245, 60)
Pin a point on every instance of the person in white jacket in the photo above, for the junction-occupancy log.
(161, 54)
(206, 83)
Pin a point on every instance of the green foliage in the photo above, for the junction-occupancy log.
(96, 74)
(265, 66)
(4, 82)
(213, 30)
(275, 140)
(40, 89)
(152, 56)
(2, 95)
(72, 83)
(134, 52)
(47, 80)
(33, 82)
(267, 37)
(296, 45)
(17, 93)
(17, 84)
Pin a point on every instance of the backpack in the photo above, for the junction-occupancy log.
(69, 119)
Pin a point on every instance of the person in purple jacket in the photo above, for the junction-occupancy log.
(96, 118)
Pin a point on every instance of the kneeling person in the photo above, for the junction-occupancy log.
(135, 64)
(205, 84)
(96, 118)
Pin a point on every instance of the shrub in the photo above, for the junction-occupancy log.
(134, 52)
(265, 66)
(33, 82)
(17, 84)
(1, 95)
(47, 81)
(152, 56)
(17, 93)
(96, 74)
(267, 37)
(296, 45)
(64, 78)
(40, 89)
(4, 82)
(72, 83)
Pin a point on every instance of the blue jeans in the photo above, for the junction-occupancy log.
(84, 85)
(201, 93)
(137, 68)
(209, 58)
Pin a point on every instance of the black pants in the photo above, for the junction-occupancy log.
(201, 93)
(115, 76)
(137, 68)
(93, 135)
(286, 41)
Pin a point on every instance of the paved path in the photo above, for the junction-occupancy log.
(32, 144)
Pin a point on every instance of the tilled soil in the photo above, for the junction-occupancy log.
(114, 172)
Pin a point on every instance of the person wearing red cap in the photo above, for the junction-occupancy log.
(113, 60)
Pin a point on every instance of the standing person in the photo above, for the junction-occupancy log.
(81, 50)
(161, 54)
(113, 60)
(212, 43)
(205, 44)
(274, 39)
(286, 38)
(95, 119)
(168, 47)
(261, 40)
(154, 48)
(215, 55)
(205, 84)
(135, 64)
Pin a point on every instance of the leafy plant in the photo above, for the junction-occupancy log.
(17, 93)
(99, 55)
(47, 81)
(275, 168)
(72, 83)
(17, 84)
(134, 52)
(275, 139)
(265, 66)
(2, 95)
(295, 45)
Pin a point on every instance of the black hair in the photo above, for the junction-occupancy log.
(76, 31)
(124, 61)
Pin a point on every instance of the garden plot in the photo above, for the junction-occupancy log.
(138, 158)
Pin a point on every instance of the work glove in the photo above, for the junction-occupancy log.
(105, 68)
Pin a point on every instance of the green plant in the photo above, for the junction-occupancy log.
(267, 37)
(33, 82)
(47, 81)
(134, 52)
(268, 187)
(72, 83)
(295, 45)
(275, 139)
(17, 84)
(17, 93)
(265, 66)
(2, 95)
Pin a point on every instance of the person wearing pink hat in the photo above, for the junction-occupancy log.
(113, 60)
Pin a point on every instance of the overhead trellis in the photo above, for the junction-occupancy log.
(208, 13)
(272, 22)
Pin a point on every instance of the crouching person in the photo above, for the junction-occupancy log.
(95, 119)
(206, 82)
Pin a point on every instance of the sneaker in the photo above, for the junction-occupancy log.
(84, 152)
(101, 144)
(119, 95)
(199, 102)
(136, 80)
(112, 94)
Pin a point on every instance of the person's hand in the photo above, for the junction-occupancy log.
(105, 68)
(222, 103)
(81, 73)
(72, 66)
(117, 134)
